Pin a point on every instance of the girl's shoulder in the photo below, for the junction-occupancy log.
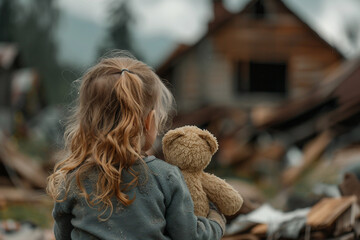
(157, 165)
(153, 161)
(168, 176)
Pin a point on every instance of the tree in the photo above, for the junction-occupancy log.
(33, 26)
(119, 34)
(6, 20)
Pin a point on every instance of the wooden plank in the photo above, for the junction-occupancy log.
(260, 229)
(312, 152)
(346, 221)
(15, 195)
(350, 186)
(348, 236)
(23, 165)
(241, 237)
(325, 212)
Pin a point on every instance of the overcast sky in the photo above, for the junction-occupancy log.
(185, 21)
(92, 10)
(181, 19)
(160, 25)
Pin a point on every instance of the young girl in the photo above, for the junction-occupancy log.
(107, 187)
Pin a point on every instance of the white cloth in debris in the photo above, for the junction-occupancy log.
(268, 215)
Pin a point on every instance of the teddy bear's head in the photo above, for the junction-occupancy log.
(189, 148)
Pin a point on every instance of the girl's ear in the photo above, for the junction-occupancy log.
(171, 136)
(150, 120)
(210, 140)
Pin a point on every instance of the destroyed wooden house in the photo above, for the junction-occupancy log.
(263, 55)
(327, 118)
(314, 122)
(264, 82)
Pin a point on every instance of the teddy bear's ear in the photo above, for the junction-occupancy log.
(171, 136)
(210, 140)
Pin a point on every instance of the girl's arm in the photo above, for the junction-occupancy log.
(181, 223)
(62, 217)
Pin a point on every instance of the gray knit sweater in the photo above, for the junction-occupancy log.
(163, 209)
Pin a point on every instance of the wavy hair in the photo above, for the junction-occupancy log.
(106, 128)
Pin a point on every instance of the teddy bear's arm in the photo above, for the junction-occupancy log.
(226, 198)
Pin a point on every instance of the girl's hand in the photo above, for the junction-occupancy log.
(217, 216)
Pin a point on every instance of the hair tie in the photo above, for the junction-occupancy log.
(125, 70)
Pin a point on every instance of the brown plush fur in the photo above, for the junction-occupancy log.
(191, 149)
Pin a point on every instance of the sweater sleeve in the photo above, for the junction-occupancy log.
(62, 216)
(181, 223)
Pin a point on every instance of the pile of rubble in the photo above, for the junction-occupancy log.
(330, 218)
(13, 230)
(22, 181)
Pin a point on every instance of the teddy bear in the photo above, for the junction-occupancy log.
(191, 149)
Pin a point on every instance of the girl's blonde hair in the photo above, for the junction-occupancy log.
(106, 129)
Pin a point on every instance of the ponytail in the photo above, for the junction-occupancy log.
(107, 128)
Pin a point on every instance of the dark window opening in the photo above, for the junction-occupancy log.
(267, 77)
(242, 77)
(261, 77)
